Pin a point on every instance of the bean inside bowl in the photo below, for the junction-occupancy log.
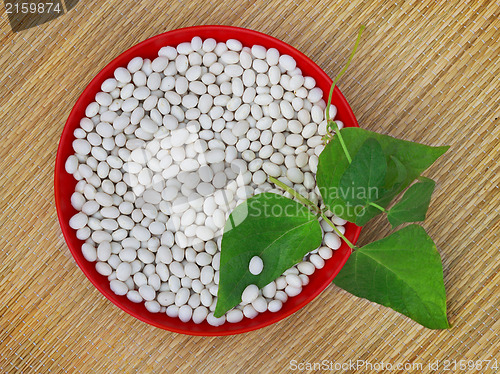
(65, 183)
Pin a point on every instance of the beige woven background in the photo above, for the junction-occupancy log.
(426, 71)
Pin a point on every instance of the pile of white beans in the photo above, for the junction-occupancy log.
(170, 147)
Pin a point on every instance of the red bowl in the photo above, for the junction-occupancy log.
(64, 183)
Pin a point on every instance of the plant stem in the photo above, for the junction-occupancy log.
(337, 231)
(310, 204)
(339, 75)
(330, 95)
(295, 194)
(342, 143)
(378, 207)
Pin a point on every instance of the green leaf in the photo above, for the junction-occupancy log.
(332, 164)
(279, 230)
(396, 175)
(403, 272)
(414, 204)
(360, 184)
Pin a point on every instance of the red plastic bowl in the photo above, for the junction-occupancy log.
(64, 183)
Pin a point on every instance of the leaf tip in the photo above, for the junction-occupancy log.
(217, 312)
(443, 149)
(444, 325)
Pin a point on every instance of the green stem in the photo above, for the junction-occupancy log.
(378, 207)
(330, 95)
(337, 231)
(295, 194)
(310, 204)
(342, 143)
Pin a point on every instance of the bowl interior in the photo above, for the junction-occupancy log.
(65, 183)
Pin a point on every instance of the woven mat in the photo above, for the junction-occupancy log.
(426, 71)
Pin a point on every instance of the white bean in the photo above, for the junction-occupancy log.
(332, 241)
(256, 265)
(234, 316)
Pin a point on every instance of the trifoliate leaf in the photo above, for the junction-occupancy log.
(332, 164)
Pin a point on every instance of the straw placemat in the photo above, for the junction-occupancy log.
(426, 71)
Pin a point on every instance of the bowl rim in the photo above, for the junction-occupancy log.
(59, 168)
